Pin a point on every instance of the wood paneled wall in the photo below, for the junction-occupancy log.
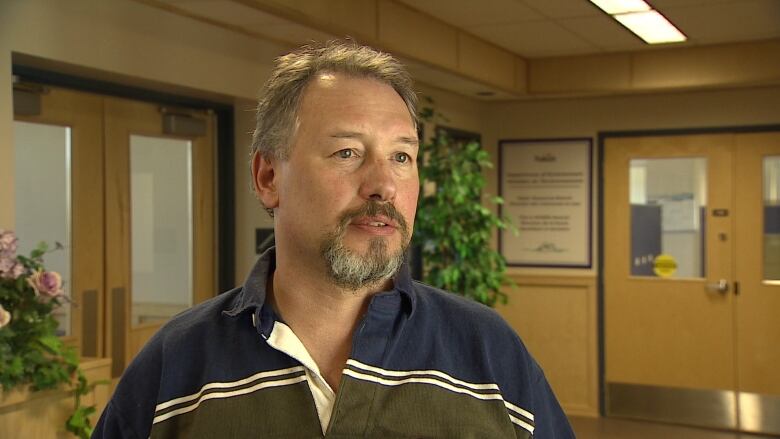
(556, 318)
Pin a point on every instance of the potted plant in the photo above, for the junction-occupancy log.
(453, 229)
(31, 354)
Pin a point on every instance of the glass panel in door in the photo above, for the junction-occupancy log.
(161, 227)
(771, 218)
(668, 198)
(42, 155)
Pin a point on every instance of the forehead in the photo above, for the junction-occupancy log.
(342, 96)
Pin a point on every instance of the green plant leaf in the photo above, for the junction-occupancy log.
(51, 342)
(31, 353)
(452, 226)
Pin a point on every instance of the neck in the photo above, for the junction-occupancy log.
(321, 314)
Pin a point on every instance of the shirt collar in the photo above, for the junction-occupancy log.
(253, 294)
(403, 284)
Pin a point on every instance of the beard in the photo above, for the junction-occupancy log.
(352, 270)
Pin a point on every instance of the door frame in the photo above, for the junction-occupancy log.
(602, 137)
(225, 139)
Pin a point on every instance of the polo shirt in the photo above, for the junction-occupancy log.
(424, 364)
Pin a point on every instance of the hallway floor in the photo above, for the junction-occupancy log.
(611, 428)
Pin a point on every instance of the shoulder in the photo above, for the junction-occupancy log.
(494, 352)
(457, 327)
(200, 319)
(192, 336)
(158, 370)
(470, 315)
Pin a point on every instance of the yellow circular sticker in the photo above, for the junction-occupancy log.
(664, 265)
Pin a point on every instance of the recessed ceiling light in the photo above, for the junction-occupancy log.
(651, 26)
(621, 6)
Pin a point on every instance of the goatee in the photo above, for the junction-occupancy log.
(352, 270)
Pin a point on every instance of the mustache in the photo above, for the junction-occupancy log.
(374, 208)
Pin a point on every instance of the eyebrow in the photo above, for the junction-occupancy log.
(411, 141)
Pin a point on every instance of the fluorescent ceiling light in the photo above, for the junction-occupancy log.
(651, 26)
(621, 6)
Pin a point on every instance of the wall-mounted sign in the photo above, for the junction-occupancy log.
(546, 186)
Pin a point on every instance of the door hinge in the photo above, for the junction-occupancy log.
(736, 288)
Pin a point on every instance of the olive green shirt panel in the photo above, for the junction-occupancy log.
(277, 412)
(417, 410)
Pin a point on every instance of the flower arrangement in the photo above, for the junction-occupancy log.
(30, 351)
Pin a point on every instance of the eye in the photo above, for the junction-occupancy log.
(402, 157)
(345, 154)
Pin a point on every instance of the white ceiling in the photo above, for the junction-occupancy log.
(249, 20)
(528, 28)
(537, 28)
(545, 28)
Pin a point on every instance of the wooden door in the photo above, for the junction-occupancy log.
(669, 330)
(160, 219)
(699, 349)
(113, 220)
(60, 132)
(757, 262)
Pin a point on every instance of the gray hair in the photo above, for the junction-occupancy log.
(278, 105)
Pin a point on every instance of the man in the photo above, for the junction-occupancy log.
(329, 336)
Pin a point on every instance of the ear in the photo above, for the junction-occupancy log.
(264, 179)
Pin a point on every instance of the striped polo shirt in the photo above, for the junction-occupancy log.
(424, 364)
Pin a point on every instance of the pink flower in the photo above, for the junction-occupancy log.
(10, 268)
(7, 243)
(46, 283)
(17, 270)
(5, 317)
(6, 264)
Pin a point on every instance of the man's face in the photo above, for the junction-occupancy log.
(348, 192)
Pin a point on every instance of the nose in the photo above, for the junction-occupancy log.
(378, 181)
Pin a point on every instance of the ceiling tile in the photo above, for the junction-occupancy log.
(728, 22)
(252, 20)
(294, 33)
(450, 81)
(663, 4)
(603, 32)
(465, 13)
(564, 8)
(355, 17)
(534, 28)
(534, 39)
(229, 12)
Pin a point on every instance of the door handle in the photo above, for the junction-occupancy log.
(721, 286)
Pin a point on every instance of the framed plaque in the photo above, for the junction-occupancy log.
(546, 187)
